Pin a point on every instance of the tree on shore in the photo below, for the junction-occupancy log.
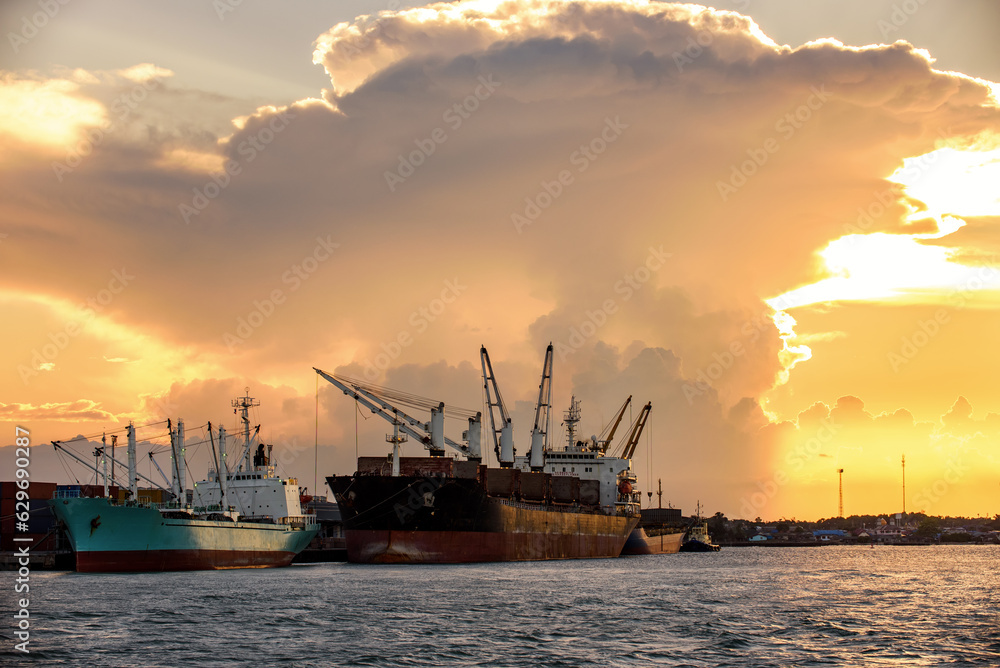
(929, 527)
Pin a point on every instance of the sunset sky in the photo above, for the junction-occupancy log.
(778, 221)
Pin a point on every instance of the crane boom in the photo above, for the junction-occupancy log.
(431, 434)
(540, 431)
(60, 447)
(637, 428)
(503, 437)
(614, 427)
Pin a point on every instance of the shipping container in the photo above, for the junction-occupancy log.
(565, 489)
(374, 465)
(465, 469)
(36, 490)
(502, 482)
(151, 495)
(535, 485)
(42, 490)
(426, 467)
(590, 492)
(661, 516)
(41, 519)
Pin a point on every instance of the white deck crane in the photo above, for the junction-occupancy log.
(543, 415)
(503, 436)
(431, 433)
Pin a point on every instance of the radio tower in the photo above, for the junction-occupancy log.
(904, 485)
(841, 506)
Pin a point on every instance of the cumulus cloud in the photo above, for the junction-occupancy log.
(70, 411)
(629, 180)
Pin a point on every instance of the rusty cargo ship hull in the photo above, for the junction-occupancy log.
(662, 542)
(472, 514)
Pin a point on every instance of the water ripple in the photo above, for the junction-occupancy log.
(840, 606)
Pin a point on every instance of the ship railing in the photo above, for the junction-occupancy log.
(538, 505)
(301, 521)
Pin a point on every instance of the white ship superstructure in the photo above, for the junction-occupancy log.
(253, 490)
(589, 459)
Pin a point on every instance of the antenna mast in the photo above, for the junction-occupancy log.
(571, 419)
(841, 506)
(243, 405)
(904, 484)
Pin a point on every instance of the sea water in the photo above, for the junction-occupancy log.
(843, 606)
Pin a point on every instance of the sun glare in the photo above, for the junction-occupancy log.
(949, 181)
(944, 183)
(46, 113)
(870, 267)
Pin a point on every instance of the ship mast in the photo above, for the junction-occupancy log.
(571, 419)
(104, 453)
(132, 479)
(243, 405)
(396, 439)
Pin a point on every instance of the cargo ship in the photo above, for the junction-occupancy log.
(246, 517)
(644, 540)
(571, 503)
(660, 531)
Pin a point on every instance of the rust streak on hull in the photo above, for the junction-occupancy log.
(132, 561)
(639, 543)
(428, 520)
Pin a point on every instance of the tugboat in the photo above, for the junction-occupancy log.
(697, 539)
